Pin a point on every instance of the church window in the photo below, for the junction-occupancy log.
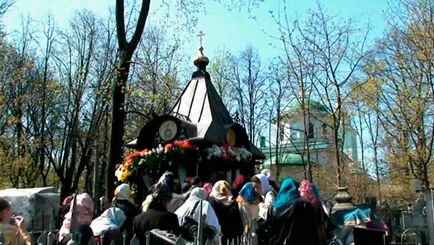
(310, 132)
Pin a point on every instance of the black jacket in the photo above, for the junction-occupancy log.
(155, 218)
(296, 225)
(229, 218)
(130, 211)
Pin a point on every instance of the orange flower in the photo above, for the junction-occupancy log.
(128, 162)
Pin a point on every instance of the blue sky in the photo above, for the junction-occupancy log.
(229, 29)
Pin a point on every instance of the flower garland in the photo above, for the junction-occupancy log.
(176, 152)
(228, 153)
(152, 157)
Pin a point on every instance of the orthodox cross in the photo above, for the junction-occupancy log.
(200, 35)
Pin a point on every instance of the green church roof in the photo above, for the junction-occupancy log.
(287, 159)
(312, 104)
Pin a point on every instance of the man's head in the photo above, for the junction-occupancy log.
(5, 210)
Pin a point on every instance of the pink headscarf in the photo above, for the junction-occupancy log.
(239, 181)
(306, 191)
(83, 212)
(68, 200)
(208, 188)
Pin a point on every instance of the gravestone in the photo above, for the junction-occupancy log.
(38, 206)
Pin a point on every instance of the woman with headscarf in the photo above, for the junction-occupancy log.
(271, 177)
(123, 201)
(294, 221)
(78, 218)
(307, 193)
(267, 194)
(191, 207)
(167, 182)
(108, 225)
(156, 216)
(265, 184)
(248, 201)
(288, 192)
(227, 211)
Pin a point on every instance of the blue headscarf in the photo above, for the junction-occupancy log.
(248, 192)
(288, 192)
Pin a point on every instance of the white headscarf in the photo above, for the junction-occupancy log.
(123, 192)
(265, 184)
(270, 175)
(196, 195)
(221, 192)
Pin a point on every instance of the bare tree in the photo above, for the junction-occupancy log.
(339, 52)
(249, 84)
(220, 72)
(280, 99)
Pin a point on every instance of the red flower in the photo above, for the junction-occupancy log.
(168, 147)
(184, 144)
(144, 151)
(134, 155)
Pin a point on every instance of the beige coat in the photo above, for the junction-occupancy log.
(13, 235)
(248, 212)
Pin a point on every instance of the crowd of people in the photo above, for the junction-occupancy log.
(289, 214)
(286, 215)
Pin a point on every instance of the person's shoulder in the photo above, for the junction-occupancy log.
(6, 227)
(8, 230)
(167, 214)
(140, 216)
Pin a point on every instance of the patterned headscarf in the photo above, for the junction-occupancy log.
(287, 194)
(221, 192)
(248, 192)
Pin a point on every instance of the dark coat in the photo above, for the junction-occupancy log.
(130, 212)
(155, 218)
(297, 225)
(229, 218)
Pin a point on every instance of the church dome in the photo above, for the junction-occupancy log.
(295, 106)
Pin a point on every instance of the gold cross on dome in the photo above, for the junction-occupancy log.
(200, 35)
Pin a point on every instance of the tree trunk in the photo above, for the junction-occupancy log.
(337, 150)
(126, 50)
(118, 124)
